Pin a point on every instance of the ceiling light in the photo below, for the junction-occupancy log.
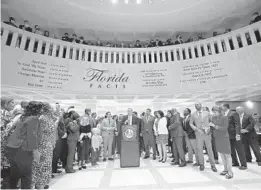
(138, 1)
(249, 104)
(150, 1)
(126, 1)
(114, 1)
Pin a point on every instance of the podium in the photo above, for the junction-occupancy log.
(130, 146)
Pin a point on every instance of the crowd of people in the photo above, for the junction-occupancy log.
(138, 44)
(36, 137)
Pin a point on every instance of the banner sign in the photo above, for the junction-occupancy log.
(39, 72)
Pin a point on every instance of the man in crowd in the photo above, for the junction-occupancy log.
(236, 144)
(255, 18)
(65, 37)
(148, 134)
(199, 122)
(142, 148)
(245, 124)
(26, 26)
(108, 128)
(177, 133)
(190, 138)
(11, 22)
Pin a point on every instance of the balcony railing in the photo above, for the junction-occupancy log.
(31, 42)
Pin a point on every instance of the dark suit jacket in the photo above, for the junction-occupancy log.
(187, 128)
(232, 124)
(175, 127)
(9, 23)
(25, 135)
(61, 128)
(28, 29)
(248, 123)
(147, 126)
(135, 121)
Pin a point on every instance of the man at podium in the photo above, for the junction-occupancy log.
(130, 130)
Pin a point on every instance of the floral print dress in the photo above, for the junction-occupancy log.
(42, 171)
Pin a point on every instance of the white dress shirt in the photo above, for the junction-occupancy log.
(130, 120)
(226, 112)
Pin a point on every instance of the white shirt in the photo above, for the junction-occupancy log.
(226, 112)
(241, 118)
(162, 126)
(130, 120)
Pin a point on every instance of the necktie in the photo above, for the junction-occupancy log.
(129, 120)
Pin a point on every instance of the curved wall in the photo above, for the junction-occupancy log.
(34, 62)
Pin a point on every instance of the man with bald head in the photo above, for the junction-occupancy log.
(200, 123)
(245, 125)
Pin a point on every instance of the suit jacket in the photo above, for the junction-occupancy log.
(175, 127)
(135, 121)
(25, 135)
(73, 130)
(232, 124)
(248, 123)
(187, 128)
(28, 29)
(61, 128)
(197, 123)
(108, 127)
(147, 125)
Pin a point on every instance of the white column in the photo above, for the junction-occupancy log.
(54, 50)
(120, 57)
(114, 57)
(186, 52)
(92, 55)
(39, 47)
(103, 56)
(181, 54)
(61, 51)
(14, 39)
(131, 58)
(136, 58)
(67, 55)
(80, 54)
(31, 44)
(147, 57)
(212, 48)
(193, 54)
(23, 41)
(219, 44)
(98, 54)
(226, 40)
(199, 50)
(152, 57)
(235, 42)
(169, 55)
(142, 57)
(86, 55)
(243, 39)
(4, 36)
(125, 57)
(253, 36)
(47, 48)
(163, 56)
(175, 54)
(206, 49)
(158, 56)
(109, 57)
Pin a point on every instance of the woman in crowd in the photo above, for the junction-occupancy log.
(220, 132)
(169, 115)
(22, 146)
(73, 129)
(42, 171)
(161, 132)
(7, 104)
(85, 139)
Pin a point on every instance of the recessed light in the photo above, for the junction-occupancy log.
(114, 1)
(138, 1)
(126, 1)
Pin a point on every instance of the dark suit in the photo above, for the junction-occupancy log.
(148, 134)
(249, 138)
(237, 147)
(61, 149)
(190, 138)
(20, 147)
(73, 130)
(177, 134)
